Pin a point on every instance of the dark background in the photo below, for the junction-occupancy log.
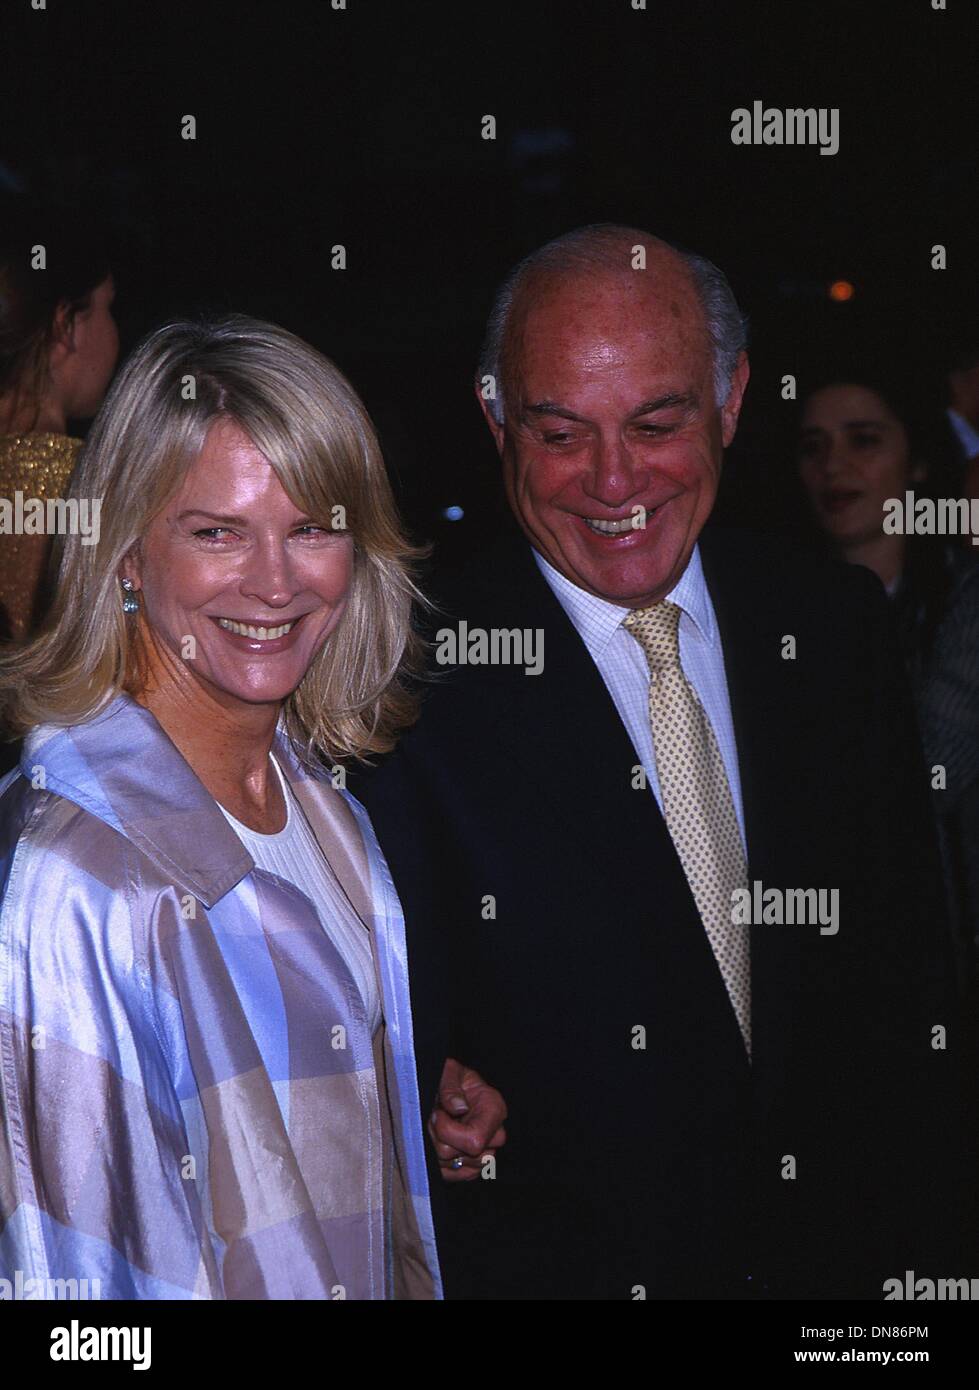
(362, 127)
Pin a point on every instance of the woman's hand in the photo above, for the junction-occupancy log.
(466, 1125)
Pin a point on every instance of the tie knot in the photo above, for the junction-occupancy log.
(656, 629)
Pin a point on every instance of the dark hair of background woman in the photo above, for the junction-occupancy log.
(77, 261)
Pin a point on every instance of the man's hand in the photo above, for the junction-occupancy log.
(467, 1122)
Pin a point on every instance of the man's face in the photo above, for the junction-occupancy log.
(612, 441)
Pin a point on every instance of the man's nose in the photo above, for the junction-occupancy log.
(613, 476)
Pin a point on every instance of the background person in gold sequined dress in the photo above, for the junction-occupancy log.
(58, 350)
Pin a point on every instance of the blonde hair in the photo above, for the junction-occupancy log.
(308, 421)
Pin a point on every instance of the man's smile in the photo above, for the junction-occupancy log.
(620, 531)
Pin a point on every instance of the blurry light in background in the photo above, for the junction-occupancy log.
(453, 513)
(841, 290)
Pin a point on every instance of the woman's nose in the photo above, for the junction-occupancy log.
(835, 458)
(269, 576)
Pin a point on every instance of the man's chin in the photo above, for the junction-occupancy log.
(629, 585)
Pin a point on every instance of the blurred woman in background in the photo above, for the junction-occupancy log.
(859, 446)
(58, 350)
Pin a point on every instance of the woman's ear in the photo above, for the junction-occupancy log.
(130, 566)
(62, 332)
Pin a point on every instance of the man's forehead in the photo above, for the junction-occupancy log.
(607, 317)
(599, 354)
(665, 280)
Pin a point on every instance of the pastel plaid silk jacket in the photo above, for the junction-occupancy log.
(192, 1103)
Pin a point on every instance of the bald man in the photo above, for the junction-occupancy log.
(663, 839)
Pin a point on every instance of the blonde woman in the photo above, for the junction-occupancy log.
(206, 1070)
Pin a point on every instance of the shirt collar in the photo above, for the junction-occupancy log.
(121, 767)
(597, 620)
(967, 434)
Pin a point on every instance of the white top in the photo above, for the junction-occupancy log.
(624, 669)
(294, 854)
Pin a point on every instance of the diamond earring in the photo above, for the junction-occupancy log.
(130, 603)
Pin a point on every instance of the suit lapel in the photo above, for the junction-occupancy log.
(570, 700)
(752, 630)
(586, 757)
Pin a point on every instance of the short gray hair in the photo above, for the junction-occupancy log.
(600, 246)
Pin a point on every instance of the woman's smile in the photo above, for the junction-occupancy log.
(254, 636)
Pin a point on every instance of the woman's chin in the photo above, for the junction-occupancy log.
(257, 693)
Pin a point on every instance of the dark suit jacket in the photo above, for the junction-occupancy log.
(937, 605)
(675, 1168)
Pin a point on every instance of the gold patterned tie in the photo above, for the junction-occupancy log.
(697, 802)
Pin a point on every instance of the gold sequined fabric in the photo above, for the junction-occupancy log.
(37, 465)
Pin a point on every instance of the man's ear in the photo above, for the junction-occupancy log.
(495, 427)
(731, 408)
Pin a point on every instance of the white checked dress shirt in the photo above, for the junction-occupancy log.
(624, 669)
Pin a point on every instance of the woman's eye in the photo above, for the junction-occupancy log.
(866, 441)
(221, 535)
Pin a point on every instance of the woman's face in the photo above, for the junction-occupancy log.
(236, 582)
(88, 369)
(853, 456)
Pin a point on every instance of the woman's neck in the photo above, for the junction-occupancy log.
(882, 554)
(22, 415)
(226, 742)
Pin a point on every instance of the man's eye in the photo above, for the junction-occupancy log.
(866, 441)
(656, 429)
(558, 437)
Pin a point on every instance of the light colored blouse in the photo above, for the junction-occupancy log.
(293, 854)
(192, 1104)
